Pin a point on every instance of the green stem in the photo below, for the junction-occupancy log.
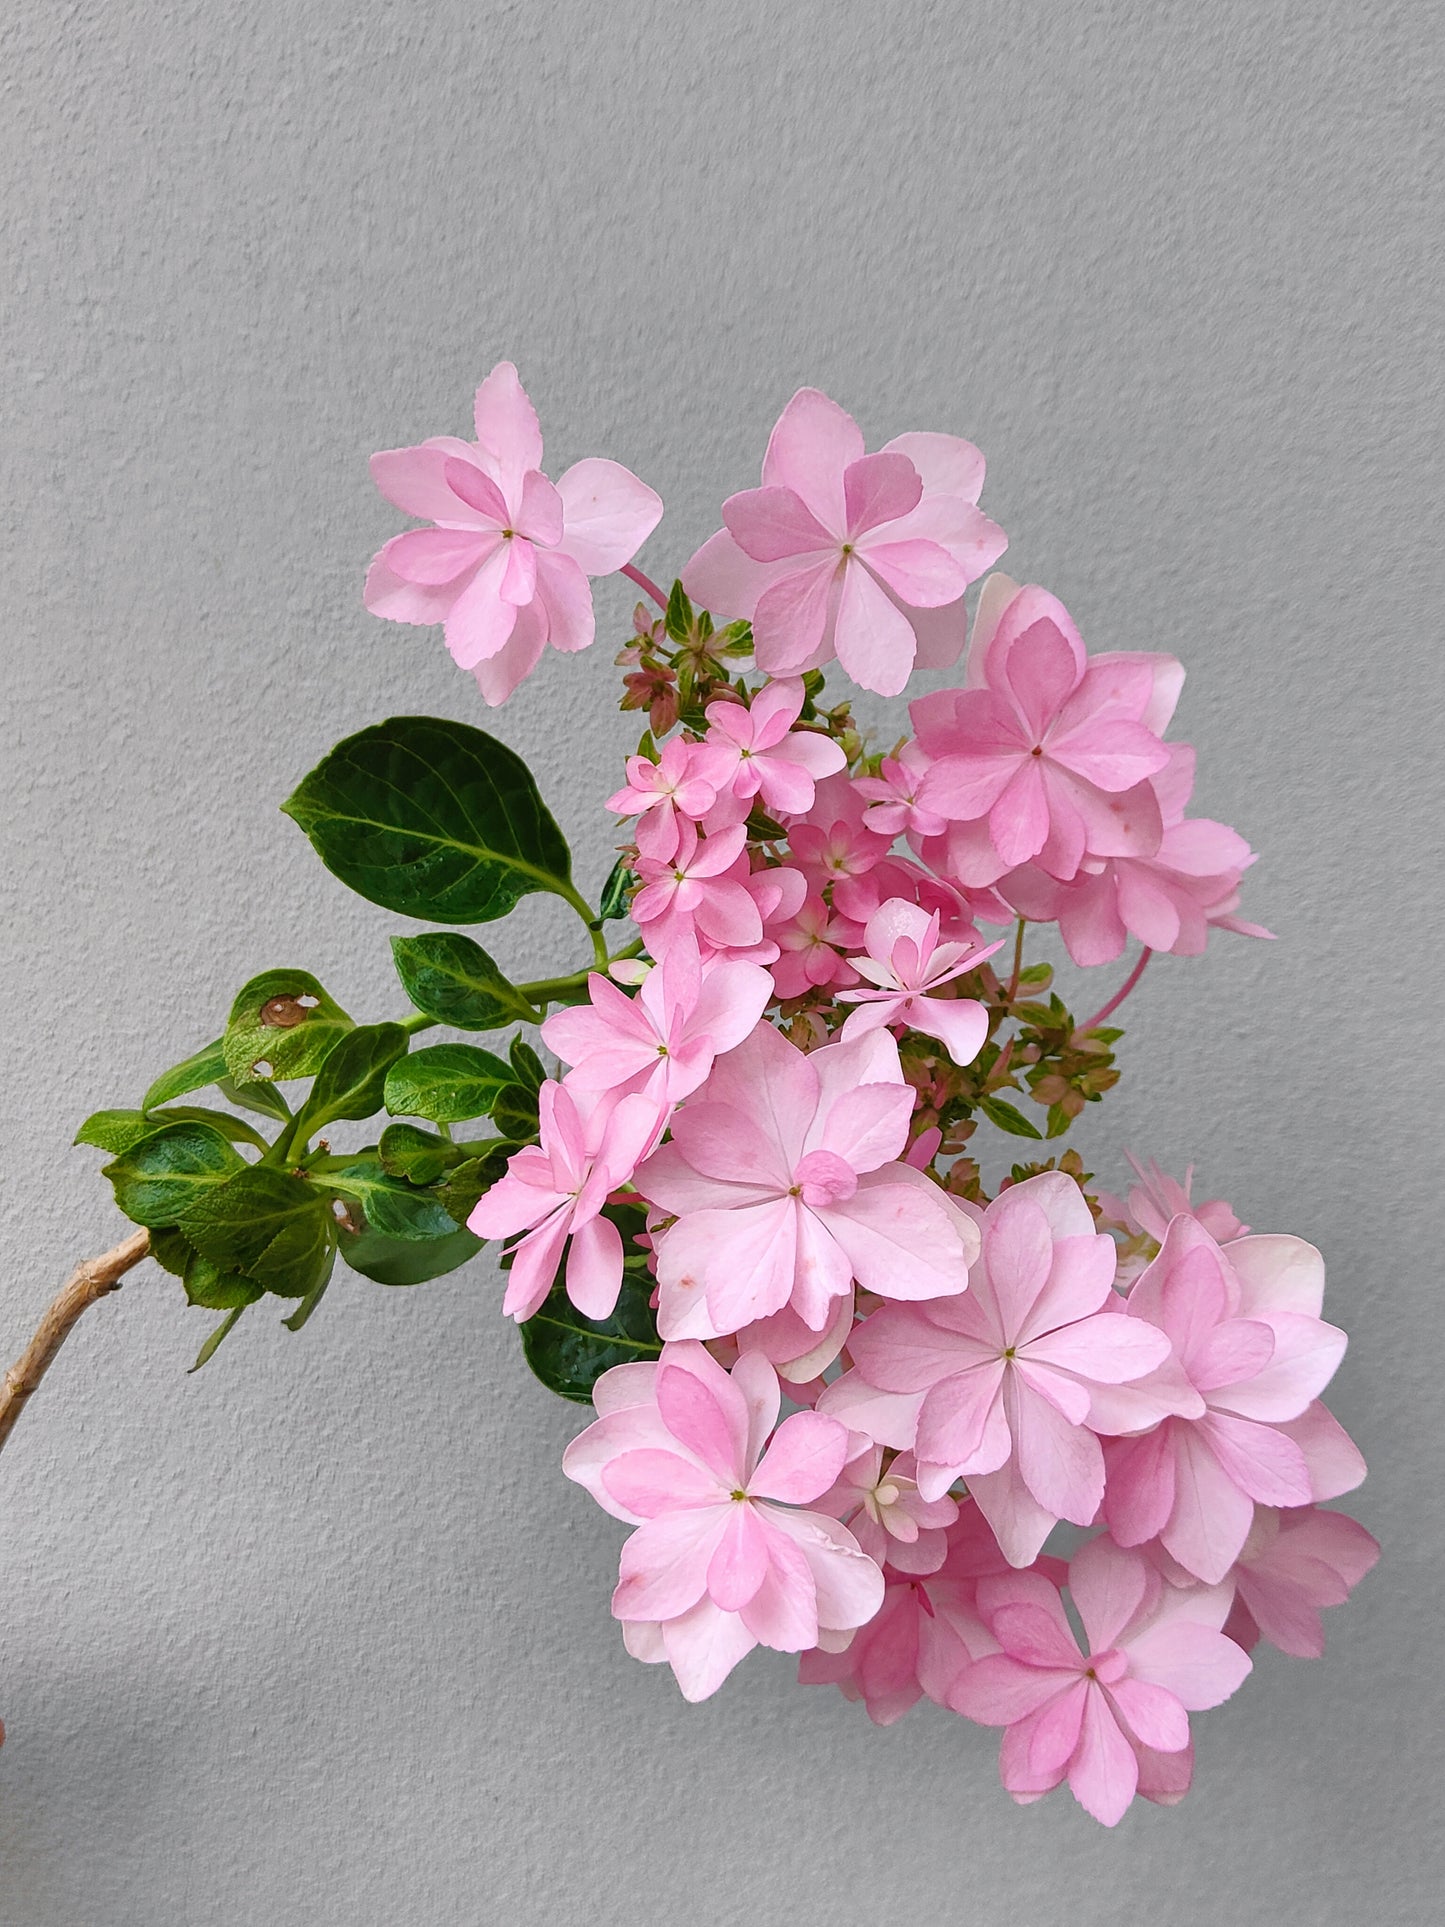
(416, 1021)
(548, 989)
(1018, 964)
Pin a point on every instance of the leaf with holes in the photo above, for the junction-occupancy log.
(449, 977)
(282, 1024)
(446, 1083)
(162, 1177)
(433, 819)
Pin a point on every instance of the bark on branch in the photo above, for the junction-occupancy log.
(93, 1278)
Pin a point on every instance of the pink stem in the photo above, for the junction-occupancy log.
(645, 583)
(1121, 993)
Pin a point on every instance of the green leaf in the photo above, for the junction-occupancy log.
(530, 1070)
(215, 1289)
(515, 1113)
(352, 1081)
(163, 1176)
(282, 1024)
(389, 1205)
(617, 891)
(309, 1303)
(205, 1067)
(117, 1131)
(275, 1227)
(1036, 976)
(1058, 1121)
(208, 1350)
(1007, 1118)
(406, 1261)
(446, 1083)
(432, 819)
(449, 977)
(264, 1099)
(406, 1151)
(678, 620)
(569, 1353)
(171, 1250)
(466, 1183)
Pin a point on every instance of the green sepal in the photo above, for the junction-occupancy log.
(282, 1020)
(351, 1083)
(159, 1179)
(194, 1073)
(452, 979)
(617, 891)
(678, 619)
(446, 1083)
(118, 1131)
(406, 1151)
(1036, 976)
(274, 1226)
(432, 819)
(1003, 1114)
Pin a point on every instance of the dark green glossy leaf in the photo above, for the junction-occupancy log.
(282, 1024)
(406, 1151)
(530, 1071)
(223, 1330)
(617, 891)
(406, 1261)
(449, 977)
(569, 1353)
(386, 1204)
(205, 1067)
(1003, 1114)
(462, 1187)
(217, 1290)
(352, 1081)
(171, 1250)
(275, 1227)
(117, 1131)
(163, 1176)
(432, 819)
(446, 1083)
(515, 1113)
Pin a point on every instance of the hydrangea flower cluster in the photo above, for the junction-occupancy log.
(848, 1400)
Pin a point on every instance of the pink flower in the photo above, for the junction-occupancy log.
(1157, 1198)
(1245, 1327)
(840, 552)
(505, 567)
(720, 1561)
(663, 1040)
(1007, 1376)
(780, 1172)
(887, 1514)
(1292, 1564)
(905, 962)
(810, 950)
(1169, 900)
(893, 795)
(697, 893)
(1055, 751)
(557, 1189)
(760, 753)
(683, 782)
(1099, 1717)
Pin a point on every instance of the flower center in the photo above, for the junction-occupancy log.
(739, 1496)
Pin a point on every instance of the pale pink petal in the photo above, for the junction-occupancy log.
(900, 1243)
(594, 1268)
(1104, 1773)
(1260, 1459)
(1108, 1585)
(873, 638)
(1211, 1516)
(534, 1265)
(783, 1612)
(649, 1482)
(1305, 1356)
(664, 1564)
(1334, 1460)
(1139, 1491)
(607, 515)
(962, 1425)
(849, 1585)
(1018, 1521)
(998, 1691)
(804, 1458)
(1054, 1732)
(1201, 1668)
(947, 464)
(1105, 1349)
(721, 578)
(388, 595)
(739, 1563)
(506, 423)
(741, 1263)
(704, 1411)
(960, 1024)
(1152, 1714)
(473, 488)
(479, 621)
(772, 524)
(703, 1646)
(812, 443)
(1061, 1463)
(435, 558)
(1018, 1252)
(415, 480)
(791, 618)
(1278, 1273)
(563, 591)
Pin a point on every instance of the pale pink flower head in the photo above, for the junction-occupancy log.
(905, 963)
(505, 565)
(683, 782)
(721, 1560)
(1292, 1565)
(1006, 1378)
(1055, 750)
(865, 557)
(760, 754)
(555, 1190)
(782, 1175)
(1100, 1714)
(811, 947)
(894, 807)
(886, 1513)
(698, 893)
(663, 1040)
(1245, 1328)
(1157, 1198)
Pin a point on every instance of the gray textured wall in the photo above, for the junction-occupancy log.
(321, 1635)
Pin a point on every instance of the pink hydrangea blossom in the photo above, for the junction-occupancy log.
(887, 1514)
(1007, 1376)
(698, 893)
(1157, 1198)
(1293, 1564)
(760, 754)
(865, 557)
(894, 808)
(722, 1560)
(555, 1190)
(663, 1040)
(811, 948)
(505, 565)
(904, 964)
(1245, 1328)
(683, 782)
(782, 1176)
(1101, 1715)
(1055, 750)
